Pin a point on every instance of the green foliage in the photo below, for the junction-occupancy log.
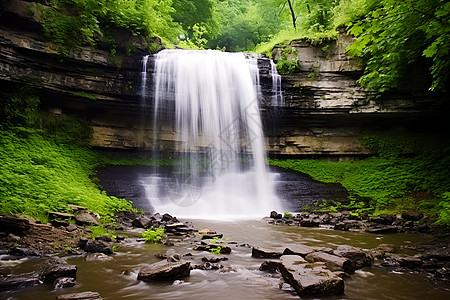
(393, 35)
(393, 180)
(85, 95)
(100, 230)
(40, 175)
(152, 235)
(19, 108)
(288, 63)
(215, 250)
(287, 215)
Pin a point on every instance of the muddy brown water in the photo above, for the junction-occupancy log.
(116, 276)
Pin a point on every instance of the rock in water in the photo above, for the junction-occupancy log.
(333, 262)
(165, 270)
(309, 279)
(358, 256)
(56, 267)
(80, 296)
(267, 253)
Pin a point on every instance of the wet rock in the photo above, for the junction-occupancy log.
(357, 256)
(164, 270)
(267, 253)
(382, 229)
(85, 218)
(381, 250)
(309, 279)
(59, 223)
(168, 218)
(310, 222)
(410, 262)
(206, 231)
(212, 236)
(12, 282)
(333, 262)
(214, 259)
(54, 268)
(15, 225)
(209, 266)
(412, 215)
(17, 251)
(104, 238)
(270, 266)
(342, 226)
(383, 219)
(298, 249)
(227, 269)
(97, 257)
(275, 215)
(142, 221)
(64, 282)
(98, 246)
(80, 296)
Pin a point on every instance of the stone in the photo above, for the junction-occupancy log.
(342, 226)
(60, 215)
(142, 221)
(59, 223)
(80, 296)
(275, 215)
(71, 227)
(15, 225)
(206, 231)
(17, 251)
(298, 249)
(54, 268)
(383, 219)
(104, 238)
(164, 270)
(98, 246)
(410, 262)
(267, 253)
(309, 279)
(270, 266)
(381, 250)
(64, 282)
(209, 266)
(85, 218)
(382, 229)
(333, 262)
(168, 218)
(77, 207)
(214, 259)
(12, 282)
(357, 256)
(412, 215)
(212, 236)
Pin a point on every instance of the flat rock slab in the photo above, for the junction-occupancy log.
(299, 249)
(267, 253)
(333, 262)
(11, 282)
(80, 296)
(84, 217)
(12, 224)
(309, 279)
(54, 268)
(358, 256)
(165, 270)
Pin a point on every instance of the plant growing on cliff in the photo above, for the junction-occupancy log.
(153, 235)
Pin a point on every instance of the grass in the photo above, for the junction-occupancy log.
(389, 182)
(38, 175)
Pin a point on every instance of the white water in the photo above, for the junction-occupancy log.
(219, 137)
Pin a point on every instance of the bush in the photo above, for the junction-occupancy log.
(152, 235)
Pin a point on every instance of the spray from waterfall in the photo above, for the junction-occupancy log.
(210, 101)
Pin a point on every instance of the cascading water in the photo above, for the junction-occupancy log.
(212, 99)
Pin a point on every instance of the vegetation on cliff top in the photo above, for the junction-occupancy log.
(406, 173)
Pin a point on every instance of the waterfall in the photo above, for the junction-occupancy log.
(211, 98)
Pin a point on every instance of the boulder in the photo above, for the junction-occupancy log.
(64, 282)
(71, 227)
(333, 262)
(165, 270)
(267, 253)
(80, 296)
(309, 279)
(298, 249)
(383, 219)
(412, 215)
(270, 266)
(310, 222)
(98, 246)
(85, 218)
(15, 225)
(214, 259)
(357, 256)
(17, 251)
(11, 282)
(54, 268)
(275, 215)
(142, 221)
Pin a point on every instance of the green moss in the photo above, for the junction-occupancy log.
(85, 95)
(399, 178)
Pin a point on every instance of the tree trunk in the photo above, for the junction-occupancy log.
(292, 13)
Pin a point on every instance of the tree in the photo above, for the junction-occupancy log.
(396, 34)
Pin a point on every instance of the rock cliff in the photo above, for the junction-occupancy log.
(325, 114)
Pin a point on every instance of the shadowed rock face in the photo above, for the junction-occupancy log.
(165, 270)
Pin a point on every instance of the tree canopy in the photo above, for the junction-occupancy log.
(390, 35)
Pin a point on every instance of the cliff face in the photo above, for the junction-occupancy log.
(325, 114)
